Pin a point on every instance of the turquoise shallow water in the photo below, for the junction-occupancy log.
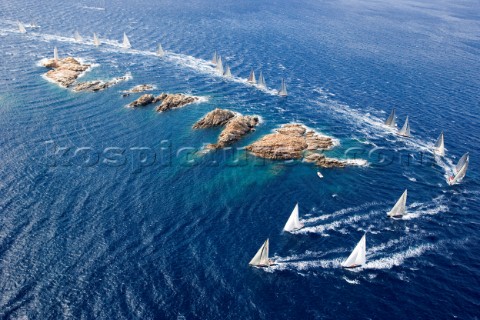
(173, 235)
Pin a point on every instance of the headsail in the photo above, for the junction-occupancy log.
(78, 37)
(261, 257)
(391, 119)
(283, 89)
(463, 160)
(21, 27)
(358, 255)
(126, 43)
(405, 131)
(220, 65)
(460, 169)
(96, 41)
(440, 146)
(55, 53)
(160, 51)
(227, 73)
(215, 58)
(293, 223)
(261, 81)
(251, 77)
(400, 208)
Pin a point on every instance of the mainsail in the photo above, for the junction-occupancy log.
(399, 209)
(405, 131)
(251, 77)
(96, 41)
(227, 73)
(21, 27)
(160, 51)
(261, 81)
(261, 258)
(391, 119)
(55, 53)
(293, 223)
(126, 43)
(358, 255)
(219, 65)
(460, 169)
(78, 37)
(215, 58)
(440, 146)
(283, 89)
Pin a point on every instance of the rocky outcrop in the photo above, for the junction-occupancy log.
(144, 100)
(65, 71)
(236, 126)
(138, 89)
(97, 85)
(173, 101)
(291, 141)
(215, 118)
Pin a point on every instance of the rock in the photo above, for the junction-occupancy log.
(95, 85)
(235, 129)
(138, 89)
(215, 118)
(322, 161)
(290, 141)
(142, 101)
(173, 101)
(65, 71)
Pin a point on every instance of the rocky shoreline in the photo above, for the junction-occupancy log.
(168, 101)
(235, 126)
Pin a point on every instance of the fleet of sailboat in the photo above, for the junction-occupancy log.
(358, 257)
(126, 43)
(261, 258)
(440, 146)
(293, 222)
(400, 208)
(283, 89)
(391, 120)
(460, 170)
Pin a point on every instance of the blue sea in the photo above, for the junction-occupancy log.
(108, 212)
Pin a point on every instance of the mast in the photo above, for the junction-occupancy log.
(399, 209)
(283, 89)
(293, 222)
(440, 146)
(391, 119)
(358, 255)
(251, 77)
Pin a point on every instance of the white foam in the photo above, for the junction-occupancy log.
(350, 280)
(397, 259)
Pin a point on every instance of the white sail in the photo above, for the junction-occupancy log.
(293, 222)
(219, 65)
(126, 43)
(251, 77)
(160, 51)
(261, 257)
(215, 58)
(391, 119)
(55, 53)
(440, 146)
(261, 81)
(358, 255)
(405, 131)
(227, 73)
(96, 41)
(460, 170)
(78, 37)
(283, 89)
(21, 27)
(400, 208)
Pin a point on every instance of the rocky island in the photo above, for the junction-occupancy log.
(295, 141)
(168, 101)
(64, 71)
(236, 126)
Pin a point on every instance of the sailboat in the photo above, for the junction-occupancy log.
(21, 27)
(251, 77)
(261, 81)
(439, 146)
(126, 43)
(391, 119)
(160, 51)
(78, 37)
(215, 58)
(460, 170)
(319, 174)
(399, 209)
(283, 89)
(358, 255)
(96, 41)
(405, 131)
(293, 223)
(55, 53)
(33, 25)
(261, 257)
(227, 73)
(220, 65)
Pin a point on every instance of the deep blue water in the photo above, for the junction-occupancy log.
(85, 238)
